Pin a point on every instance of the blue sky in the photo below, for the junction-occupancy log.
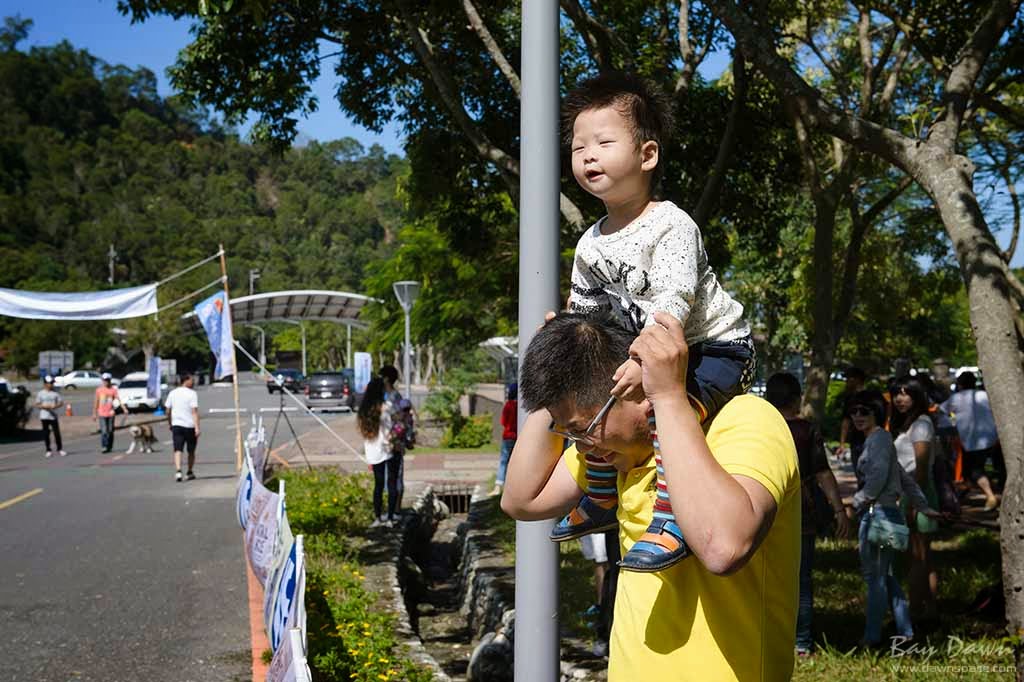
(97, 26)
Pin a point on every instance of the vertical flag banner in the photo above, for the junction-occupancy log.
(215, 315)
(285, 540)
(261, 530)
(363, 368)
(153, 380)
(290, 590)
(243, 495)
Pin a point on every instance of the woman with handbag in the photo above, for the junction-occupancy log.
(883, 531)
(913, 433)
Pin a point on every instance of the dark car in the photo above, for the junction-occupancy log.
(292, 379)
(327, 390)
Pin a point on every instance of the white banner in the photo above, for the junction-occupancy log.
(116, 304)
(243, 492)
(261, 530)
(289, 664)
(363, 369)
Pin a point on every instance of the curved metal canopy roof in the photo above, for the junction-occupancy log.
(342, 307)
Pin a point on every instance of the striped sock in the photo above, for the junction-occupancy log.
(601, 480)
(662, 504)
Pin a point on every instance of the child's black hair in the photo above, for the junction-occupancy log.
(643, 103)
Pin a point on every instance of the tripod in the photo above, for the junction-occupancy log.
(281, 413)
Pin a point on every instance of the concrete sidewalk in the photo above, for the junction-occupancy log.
(423, 465)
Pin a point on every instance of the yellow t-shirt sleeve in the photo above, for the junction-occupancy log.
(750, 438)
(577, 466)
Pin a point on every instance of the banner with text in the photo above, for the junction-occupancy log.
(261, 529)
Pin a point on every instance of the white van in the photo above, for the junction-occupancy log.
(133, 392)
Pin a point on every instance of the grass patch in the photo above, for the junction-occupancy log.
(351, 636)
(948, 648)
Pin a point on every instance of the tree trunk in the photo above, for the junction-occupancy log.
(948, 179)
(823, 347)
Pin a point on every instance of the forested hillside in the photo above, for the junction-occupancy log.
(91, 156)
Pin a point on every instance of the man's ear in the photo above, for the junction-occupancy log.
(649, 155)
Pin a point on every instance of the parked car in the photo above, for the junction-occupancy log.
(80, 378)
(292, 379)
(326, 390)
(134, 395)
(14, 407)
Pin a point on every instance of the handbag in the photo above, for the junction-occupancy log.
(884, 532)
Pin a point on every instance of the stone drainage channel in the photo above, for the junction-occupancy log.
(455, 592)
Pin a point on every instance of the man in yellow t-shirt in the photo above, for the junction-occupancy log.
(729, 611)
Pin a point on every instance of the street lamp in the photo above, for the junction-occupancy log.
(263, 346)
(302, 328)
(406, 293)
(254, 274)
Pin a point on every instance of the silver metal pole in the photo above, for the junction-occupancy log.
(348, 346)
(302, 328)
(536, 640)
(405, 361)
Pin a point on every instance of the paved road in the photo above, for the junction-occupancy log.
(113, 572)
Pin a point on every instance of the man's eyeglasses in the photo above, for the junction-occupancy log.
(861, 412)
(577, 437)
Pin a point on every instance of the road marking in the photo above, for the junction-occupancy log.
(24, 496)
(279, 409)
(215, 410)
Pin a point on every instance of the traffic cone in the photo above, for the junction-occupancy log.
(67, 410)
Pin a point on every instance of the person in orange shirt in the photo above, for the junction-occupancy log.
(104, 408)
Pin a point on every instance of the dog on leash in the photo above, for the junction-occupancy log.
(142, 437)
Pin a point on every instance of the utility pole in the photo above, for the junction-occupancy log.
(254, 274)
(111, 257)
(536, 640)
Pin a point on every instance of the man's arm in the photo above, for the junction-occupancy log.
(724, 517)
(95, 404)
(195, 418)
(536, 487)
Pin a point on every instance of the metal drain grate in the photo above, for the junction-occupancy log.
(455, 496)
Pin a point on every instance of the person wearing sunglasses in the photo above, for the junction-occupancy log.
(735, 489)
(882, 482)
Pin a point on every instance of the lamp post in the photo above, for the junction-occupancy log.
(406, 293)
(254, 274)
(302, 328)
(536, 636)
(263, 346)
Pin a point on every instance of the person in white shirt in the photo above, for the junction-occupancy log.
(644, 256)
(375, 422)
(183, 416)
(977, 428)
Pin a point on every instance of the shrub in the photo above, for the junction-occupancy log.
(471, 433)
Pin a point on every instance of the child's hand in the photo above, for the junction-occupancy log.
(629, 381)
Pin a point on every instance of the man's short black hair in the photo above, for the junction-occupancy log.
(855, 373)
(573, 357)
(874, 401)
(389, 372)
(782, 390)
(966, 380)
(645, 106)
